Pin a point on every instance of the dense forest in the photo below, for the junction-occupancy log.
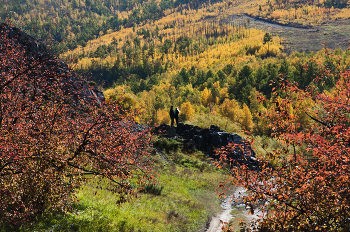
(214, 61)
(66, 24)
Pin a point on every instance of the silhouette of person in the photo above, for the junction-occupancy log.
(176, 116)
(172, 115)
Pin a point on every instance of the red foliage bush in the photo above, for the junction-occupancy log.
(55, 130)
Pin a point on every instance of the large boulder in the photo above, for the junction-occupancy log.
(165, 130)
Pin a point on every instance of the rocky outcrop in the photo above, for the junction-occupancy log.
(207, 140)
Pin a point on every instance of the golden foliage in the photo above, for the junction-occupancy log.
(225, 49)
(223, 93)
(187, 111)
(247, 120)
(147, 102)
(206, 97)
(162, 117)
(232, 110)
(302, 119)
(261, 125)
(218, 45)
(216, 85)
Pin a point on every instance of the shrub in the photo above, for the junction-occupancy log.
(167, 144)
(152, 189)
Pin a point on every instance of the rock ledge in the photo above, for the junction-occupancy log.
(207, 140)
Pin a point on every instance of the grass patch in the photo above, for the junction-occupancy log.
(183, 199)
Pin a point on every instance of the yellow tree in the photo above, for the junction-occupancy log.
(261, 126)
(216, 85)
(147, 105)
(162, 117)
(232, 110)
(187, 111)
(206, 97)
(216, 92)
(223, 93)
(247, 120)
(299, 109)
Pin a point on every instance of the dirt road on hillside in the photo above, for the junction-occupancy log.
(336, 34)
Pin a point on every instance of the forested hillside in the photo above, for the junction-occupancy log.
(65, 24)
(199, 60)
(275, 72)
(200, 56)
(68, 23)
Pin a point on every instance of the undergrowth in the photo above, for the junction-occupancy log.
(181, 199)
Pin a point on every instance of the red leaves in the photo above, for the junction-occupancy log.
(54, 133)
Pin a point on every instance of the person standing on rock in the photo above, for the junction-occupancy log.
(172, 115)
(176, 115)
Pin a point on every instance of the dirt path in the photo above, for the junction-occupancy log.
(336, 34)
(237, 208)
(225, 216)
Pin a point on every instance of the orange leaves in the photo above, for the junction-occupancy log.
(221, 185)
(310, 184)
(222, 195)
(217, 164)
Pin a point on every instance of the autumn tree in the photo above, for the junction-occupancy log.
(267, 39)
(206, 97)
(232, 110)
(187, 111)
(162, 117)
(223, 93)
(309, 190)
(216, 92)
(247, 119)
(56, 130)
